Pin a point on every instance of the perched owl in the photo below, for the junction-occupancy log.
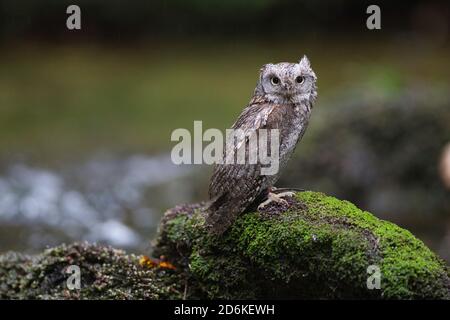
(283, 99)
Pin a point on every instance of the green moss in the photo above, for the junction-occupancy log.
(106, 273)
(322, 251)
(407, 265)
(319, 248)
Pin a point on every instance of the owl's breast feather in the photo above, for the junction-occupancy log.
(292, 127)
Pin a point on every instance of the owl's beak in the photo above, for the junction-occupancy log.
(288, 86)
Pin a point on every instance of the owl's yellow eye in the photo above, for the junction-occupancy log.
(275, 81)
(299, 79)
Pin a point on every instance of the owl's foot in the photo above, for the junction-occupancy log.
(274, 197)
(279, 190)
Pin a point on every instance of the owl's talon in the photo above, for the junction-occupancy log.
(286, 194)
(273, 197)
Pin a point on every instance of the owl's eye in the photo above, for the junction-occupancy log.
(275, 81)
(299, 79)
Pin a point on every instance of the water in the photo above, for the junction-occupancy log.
(107, 199)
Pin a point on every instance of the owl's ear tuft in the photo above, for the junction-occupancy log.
(264, 67)
(304, 62)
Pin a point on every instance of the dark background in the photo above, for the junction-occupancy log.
(86, 115)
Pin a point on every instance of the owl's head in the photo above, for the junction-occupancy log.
(294, 82)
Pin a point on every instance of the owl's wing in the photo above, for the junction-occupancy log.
(252, 118)
(234, 187)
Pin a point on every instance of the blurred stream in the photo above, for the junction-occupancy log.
(107, 199)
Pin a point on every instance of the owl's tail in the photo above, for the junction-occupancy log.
(222, 213)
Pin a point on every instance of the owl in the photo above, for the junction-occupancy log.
(282, 100)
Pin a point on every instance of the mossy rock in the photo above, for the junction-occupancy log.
(106, 273)
(316, 247)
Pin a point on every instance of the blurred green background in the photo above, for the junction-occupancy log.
(86, 116)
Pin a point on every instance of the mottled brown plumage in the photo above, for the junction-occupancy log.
(283, 103)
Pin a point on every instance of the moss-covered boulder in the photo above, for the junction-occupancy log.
(314, 247)
(318, 247)
(106, 273)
